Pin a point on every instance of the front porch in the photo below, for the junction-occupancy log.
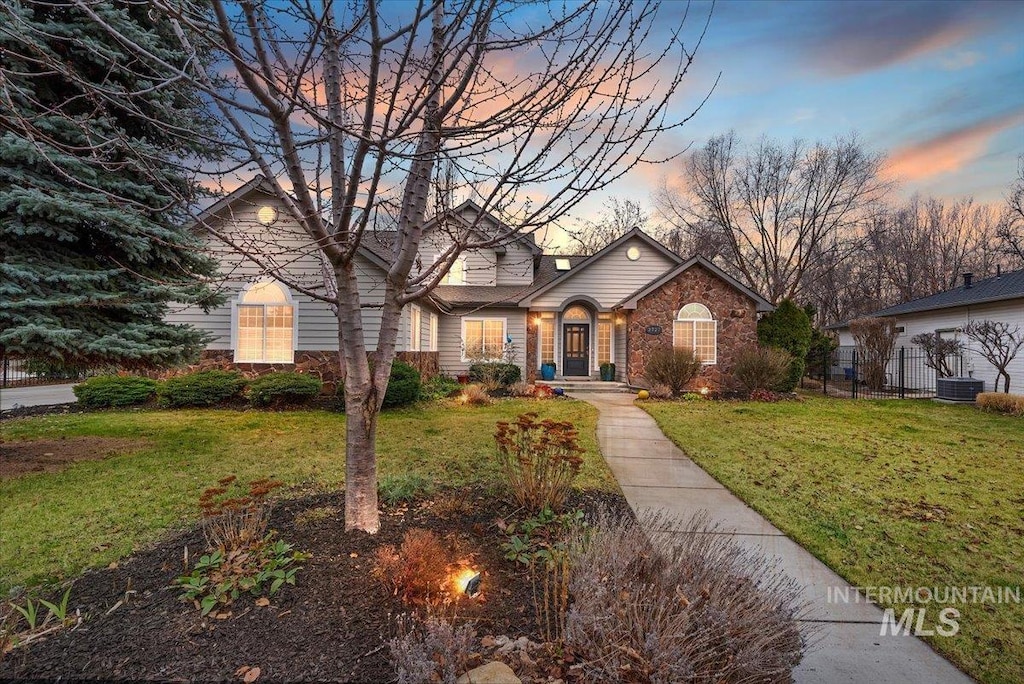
(577, 338)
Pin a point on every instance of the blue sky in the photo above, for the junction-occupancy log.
(937, 86)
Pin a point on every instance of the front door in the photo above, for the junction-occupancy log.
(576, 354)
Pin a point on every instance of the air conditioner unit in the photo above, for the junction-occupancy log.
(958, 389)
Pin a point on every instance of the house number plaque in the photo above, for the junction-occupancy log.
(653, 330)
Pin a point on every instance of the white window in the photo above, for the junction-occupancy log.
(547, 338)
(457, 273)
(604, 339)
(432, 342)
(483, 339)
(695, 328)
(415, 327)
(265, 325)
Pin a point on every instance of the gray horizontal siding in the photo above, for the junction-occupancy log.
(450, 337)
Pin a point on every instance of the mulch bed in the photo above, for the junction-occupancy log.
(52, 455)
(332, 626)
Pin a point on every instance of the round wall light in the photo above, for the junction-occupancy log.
(266, 215)
(633, 253)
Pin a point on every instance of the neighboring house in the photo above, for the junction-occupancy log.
(999, 298)
(616, 306)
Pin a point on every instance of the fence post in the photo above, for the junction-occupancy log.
(853, 385)
(903, 372)
(826, 370)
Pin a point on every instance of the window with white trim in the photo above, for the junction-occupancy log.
(483, 339)
(604, 339)
(415, 327)
(432, 340)
(695, 328)
(265, 320)
(547, 338)
(457, 273)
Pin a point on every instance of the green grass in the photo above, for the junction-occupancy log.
(887, 493)
(54, 525)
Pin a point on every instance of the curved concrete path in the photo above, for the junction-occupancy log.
(845, 637)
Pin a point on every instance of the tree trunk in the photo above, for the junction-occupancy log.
(361, 511)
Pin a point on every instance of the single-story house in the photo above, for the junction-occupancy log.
(999, 298)
(616, 306)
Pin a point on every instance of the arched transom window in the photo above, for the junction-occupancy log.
(695, 328)
(266, 325)
(576, 313)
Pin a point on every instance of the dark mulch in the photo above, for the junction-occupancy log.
(332, 626)
(52, 455)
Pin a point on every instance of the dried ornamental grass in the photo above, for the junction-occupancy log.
(539, 460)
(1012, 404)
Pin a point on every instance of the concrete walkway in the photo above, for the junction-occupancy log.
(44, 395)
(845, 641)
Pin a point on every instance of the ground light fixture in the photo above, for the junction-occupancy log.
(467, 582)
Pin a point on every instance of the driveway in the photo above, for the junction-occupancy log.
(43, 395)
(845, 642)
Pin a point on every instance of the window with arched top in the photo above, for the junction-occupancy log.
(265, 324)
(576, 313)
(695, 328)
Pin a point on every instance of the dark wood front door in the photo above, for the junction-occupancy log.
(576, 349)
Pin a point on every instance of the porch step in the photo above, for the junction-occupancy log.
(582, 385)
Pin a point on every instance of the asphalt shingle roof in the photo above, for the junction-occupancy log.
(481, 295)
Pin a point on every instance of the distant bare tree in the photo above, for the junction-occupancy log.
(875, 339)
(778, 211)
(1011, 224)
(348, 109)
(999, 345)
(618, 217)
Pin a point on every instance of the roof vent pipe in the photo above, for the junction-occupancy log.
(968, 278)
(999, 270)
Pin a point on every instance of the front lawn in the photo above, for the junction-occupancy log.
(887, 493)
(52, 525)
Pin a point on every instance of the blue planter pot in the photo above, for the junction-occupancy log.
(547, 371)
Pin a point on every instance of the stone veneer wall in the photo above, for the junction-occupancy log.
(532, 331)
(321, 364)
(735, 312)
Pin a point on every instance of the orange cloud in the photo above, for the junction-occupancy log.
(950, 151)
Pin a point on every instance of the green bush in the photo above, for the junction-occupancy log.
(205, 388)
(495, 374)
(788, 328)
(763, 368)
(277, 389)
(404, 488)
(115, 390)
(404, 385)
(440, 387)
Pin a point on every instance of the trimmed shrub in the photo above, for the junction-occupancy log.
(205, 388)
(115, 390)
(281, 389)
(674, 368)
(788, 328)
(440, 387)
(404, 385)
(690, 607)
(495, 374)
(765, 368)
(416, 571)
(1012, 404)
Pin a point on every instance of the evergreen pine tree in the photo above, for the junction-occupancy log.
(94, 196)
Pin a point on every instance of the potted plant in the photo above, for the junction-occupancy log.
(607, 371)
(547, 371)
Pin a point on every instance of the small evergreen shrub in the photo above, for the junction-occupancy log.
(280, 389)
(788, 328)
(440, 387)
(404, 385)
(673, 368)
(115, 390)
(205, 388)
(764, 368)
(1000, 402)
(404, 488)
(495, 374)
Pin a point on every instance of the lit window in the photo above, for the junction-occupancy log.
(415, 323)
(575, 313)
(457, 273)
(695, 328)
(433, 332)
(483, 339)
(547, 338)
(266, 330)
(604, 340)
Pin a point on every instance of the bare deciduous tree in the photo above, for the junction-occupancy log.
(999, 345)
(349, 110)
(618, 217)
(937, 350)
(875, 339)
(1011, 223)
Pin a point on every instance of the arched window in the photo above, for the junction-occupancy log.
(457, 273)
(265, 324)
(695, 328)
(576, 313)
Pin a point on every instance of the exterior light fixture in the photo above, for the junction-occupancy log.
(633, 253)
(267, 215)
(467, 582)
(704, 391)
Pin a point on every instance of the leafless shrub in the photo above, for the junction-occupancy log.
(937, 350)
(686, 607)
(674, 368)
(539, 459)
(999, 345)
(762, 368)
(417, 571)
(235, 518)
(876, 340)
(430, 651)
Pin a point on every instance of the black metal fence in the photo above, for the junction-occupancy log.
(26, 373)
(907, 374)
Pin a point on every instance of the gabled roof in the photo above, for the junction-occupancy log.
(630, 302)
(257, 184)
(999, 288)
(594, 258)
(527, 239)
(502, 295)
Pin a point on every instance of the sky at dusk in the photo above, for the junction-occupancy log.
(937, 86)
